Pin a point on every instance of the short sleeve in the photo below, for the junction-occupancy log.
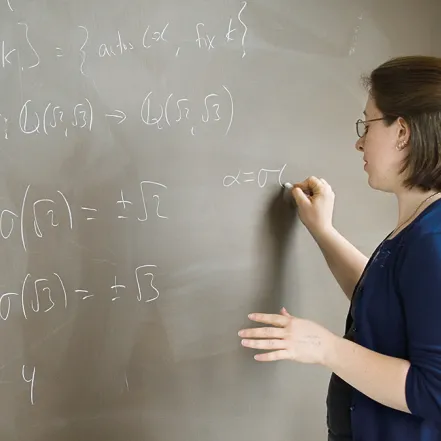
(420, 289)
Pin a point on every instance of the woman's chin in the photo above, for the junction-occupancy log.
(375, 184)
(372, 183)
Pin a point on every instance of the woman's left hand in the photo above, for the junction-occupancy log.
(288, 338)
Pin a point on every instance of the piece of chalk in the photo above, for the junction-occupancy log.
(289, 186)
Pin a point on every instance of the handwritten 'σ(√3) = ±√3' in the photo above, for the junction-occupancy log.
(40, 295)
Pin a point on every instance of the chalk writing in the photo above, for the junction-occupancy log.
(162, 114)
(127, 382)
(119, 114)
(355, 36)
(49, 212)
(173, 110)
(7, 297)
(30, 380)
(93, 210)
(115, 286)
(37, 215)
(156, 36)
(83, 292)
(141, 291)
(42, 294)
(260, 177)
(82, 116)
(31, 47)
(204, 39)
(8, 217)
(81, 111)
(157, 186)
(124, 204)
(44, 210)
(149, 192)
(23, 120)
(245, 28)
(32, 295)
(5, 233)
(121, 47)
(6, 53)
(5, 129)
(83, 54)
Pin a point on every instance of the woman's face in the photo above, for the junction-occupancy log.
(382, 149)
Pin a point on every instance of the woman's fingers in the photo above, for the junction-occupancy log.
(263, 333)
(270, 319)
(282, 354)
(264, 344)
(311, 186)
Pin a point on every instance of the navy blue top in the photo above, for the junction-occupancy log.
(396, 311)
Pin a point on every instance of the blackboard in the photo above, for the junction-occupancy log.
(143, 147)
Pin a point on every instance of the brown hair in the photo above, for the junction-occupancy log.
(410, 87)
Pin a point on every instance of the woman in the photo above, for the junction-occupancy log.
(386, 370)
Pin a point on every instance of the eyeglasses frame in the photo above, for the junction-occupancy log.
(364, 123)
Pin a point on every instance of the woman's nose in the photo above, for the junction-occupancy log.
(359, 144)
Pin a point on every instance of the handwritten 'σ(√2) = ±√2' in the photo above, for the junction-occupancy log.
(46, 213)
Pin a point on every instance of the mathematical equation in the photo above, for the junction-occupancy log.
(41, 295)
(260, 177)
(172, 110)
(150, 195)
(202, 39)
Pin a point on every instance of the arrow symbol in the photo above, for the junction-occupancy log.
(119, 114)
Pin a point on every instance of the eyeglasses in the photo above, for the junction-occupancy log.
(361, 128)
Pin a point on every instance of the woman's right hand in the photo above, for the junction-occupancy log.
(315, 201)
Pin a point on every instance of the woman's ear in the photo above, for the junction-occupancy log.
(403, 133)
